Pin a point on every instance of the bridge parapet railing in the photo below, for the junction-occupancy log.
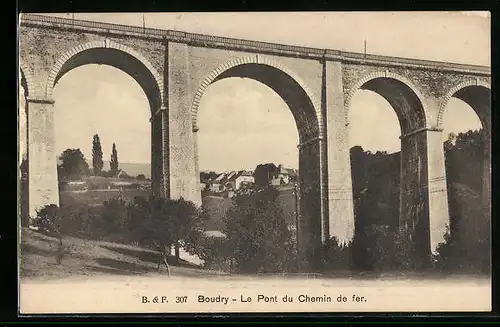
(209, 40)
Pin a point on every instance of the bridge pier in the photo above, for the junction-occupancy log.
(438, 192)
(158, 153)
(181, 158)
(42, 159)
(339, 182)
(414, 206)
(310, 231)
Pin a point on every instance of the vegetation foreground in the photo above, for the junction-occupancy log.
(257, 238)
(93, 258)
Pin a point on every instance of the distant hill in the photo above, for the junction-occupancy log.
(132, 169)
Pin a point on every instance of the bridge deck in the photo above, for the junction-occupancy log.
(247, 45)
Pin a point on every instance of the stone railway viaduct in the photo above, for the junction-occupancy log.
(175, 68)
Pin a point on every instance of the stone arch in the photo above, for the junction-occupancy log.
(453, 91)
(25, 72)
(57, 70)
(387, 75)
(212, 76)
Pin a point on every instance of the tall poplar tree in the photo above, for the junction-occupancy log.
(114, 160)
(97, 162)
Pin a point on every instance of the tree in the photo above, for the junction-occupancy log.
(375, 179)
(141, 177)
(264, 173)
(462, 152)
(114, 215)
(73, 164)
(207, 176)
(50, 221)
(214, 251)
(257, 232)
(161, 223)
(158, 227)
(97, 162)
(114, 160)
(467, 240)
(188, 221)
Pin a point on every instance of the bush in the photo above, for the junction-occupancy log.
(113, 216)
(454, 255)
(257, 232)
(215, 253)
(81, 220)
(50, 222)
(334, 256)
(378, 247)
(467, 243)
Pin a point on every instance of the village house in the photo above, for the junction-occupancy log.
(227, 183)
(284, 176)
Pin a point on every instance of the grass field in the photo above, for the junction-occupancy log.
(97, 197)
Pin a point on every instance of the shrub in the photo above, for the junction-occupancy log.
(334, 255)
(378, 247)
(257, 232)
(215, 253)
(50, 222)
(113, 216)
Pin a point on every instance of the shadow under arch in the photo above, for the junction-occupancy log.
(411, 110)
(307, 115)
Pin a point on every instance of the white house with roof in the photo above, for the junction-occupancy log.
(239, 179)
(230, 181)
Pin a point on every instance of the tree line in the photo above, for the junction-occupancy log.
(74, 166)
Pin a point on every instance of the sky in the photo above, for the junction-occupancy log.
(246, 120)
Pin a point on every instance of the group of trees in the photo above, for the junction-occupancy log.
(74, 166)
(378, 243)
(257, 237)
(467, 243)
(97, 161)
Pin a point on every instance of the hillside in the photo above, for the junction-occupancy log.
(87, 257)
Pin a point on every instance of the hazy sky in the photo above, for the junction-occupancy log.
(239, 117)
